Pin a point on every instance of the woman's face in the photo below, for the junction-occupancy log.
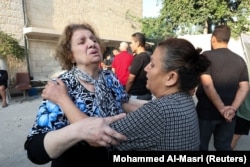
(85, 48)
(155, 74)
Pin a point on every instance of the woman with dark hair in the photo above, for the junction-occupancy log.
(169, 122)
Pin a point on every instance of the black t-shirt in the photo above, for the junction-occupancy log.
(140, 61)
(4, 78)
(227, 70)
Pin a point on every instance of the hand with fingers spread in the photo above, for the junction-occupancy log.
(93, 130)
(99, 133)
(55, 91)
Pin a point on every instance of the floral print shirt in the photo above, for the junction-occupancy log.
(51, 117)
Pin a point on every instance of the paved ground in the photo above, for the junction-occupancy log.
(15, 122)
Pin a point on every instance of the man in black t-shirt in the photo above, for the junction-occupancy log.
(223, 88)
(136, 84)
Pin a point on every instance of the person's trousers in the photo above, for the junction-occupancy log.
(222, 132)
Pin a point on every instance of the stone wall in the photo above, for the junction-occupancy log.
(109, 18)
(41, 59)
(11, 18)
(12, 22)
(47, 19)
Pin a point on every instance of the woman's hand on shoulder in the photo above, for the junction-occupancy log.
(97, 132)
(55, 91)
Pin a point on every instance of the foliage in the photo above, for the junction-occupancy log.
(10, 46)
(180, 17)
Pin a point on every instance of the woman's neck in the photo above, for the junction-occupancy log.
(92, 71)
(166, 92)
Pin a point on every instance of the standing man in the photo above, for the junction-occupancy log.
(121, 64)
(3, 86)
(223, 88)
(136, 84)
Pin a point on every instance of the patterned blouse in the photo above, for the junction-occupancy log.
(51, 117)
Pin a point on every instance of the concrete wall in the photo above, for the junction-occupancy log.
(11, 18)
(108, 16)
(49, 17)
(11, 22)
(42, 22)
(41, 59)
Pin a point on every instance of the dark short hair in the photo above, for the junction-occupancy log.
(180, 55)
(222, 33)
(139, 37)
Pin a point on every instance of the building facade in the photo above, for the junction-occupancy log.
(38, 25)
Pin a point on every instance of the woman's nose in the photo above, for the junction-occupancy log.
(91, 43)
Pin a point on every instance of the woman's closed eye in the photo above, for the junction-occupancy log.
(151, 64)
(82, 41)
(93, 39)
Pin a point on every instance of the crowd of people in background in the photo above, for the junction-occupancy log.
(121, 63)
(151, 86)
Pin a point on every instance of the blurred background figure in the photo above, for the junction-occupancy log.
(107, 62)
(242, 125)
(149, 49)
(3, 86)
(115, 52)
(121, 63)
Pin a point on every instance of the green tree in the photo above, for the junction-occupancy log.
(10, 46)
(179, 17)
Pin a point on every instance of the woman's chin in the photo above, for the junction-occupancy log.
(97, 61)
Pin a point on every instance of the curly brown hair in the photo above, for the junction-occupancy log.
(63, 51)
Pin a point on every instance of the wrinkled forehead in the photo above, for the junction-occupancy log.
(82, 32)
(158, 54)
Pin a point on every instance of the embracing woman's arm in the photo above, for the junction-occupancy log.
(42, 148)
(93, 130)
(133, 105)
